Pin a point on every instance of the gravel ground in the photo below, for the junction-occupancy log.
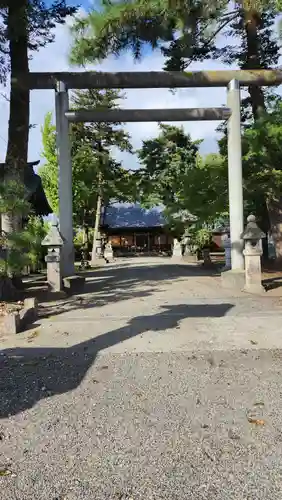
(142, 426)
(155, 384)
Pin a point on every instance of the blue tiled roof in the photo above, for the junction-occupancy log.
(130, 215)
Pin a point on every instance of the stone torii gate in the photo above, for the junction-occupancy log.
(61, 82)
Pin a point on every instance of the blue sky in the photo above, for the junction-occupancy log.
(54, 57)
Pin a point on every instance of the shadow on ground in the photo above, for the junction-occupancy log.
(272, 283)
(28, 375)
(118, 283)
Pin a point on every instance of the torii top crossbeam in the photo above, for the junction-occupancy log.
(146, 80)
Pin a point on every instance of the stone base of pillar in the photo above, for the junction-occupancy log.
(255, 289)
(233, 279)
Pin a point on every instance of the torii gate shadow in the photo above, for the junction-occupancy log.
(30, 374)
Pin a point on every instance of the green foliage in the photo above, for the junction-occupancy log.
(206, 189)
(200, 238)
(79, 239)
(23, 247)
(133, 24)
(262, 149)
(94, 169)
(13, 203)
(49, 173)
(33, 234)
(41, 20)
(17, 254)
(187, 32)
(13, 198)
(172, 173)
(164, 161)
(25, 26)
(258, 48)
(184, 31)
(178, 221)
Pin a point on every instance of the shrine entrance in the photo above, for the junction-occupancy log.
(62, 82)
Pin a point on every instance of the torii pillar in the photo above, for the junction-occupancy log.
(65, 179)
(235, 278)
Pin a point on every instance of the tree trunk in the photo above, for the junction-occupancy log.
(18, 130)
(96, 240)
(252, 20)
(264, 224)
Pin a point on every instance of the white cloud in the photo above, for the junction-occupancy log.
(54, 57)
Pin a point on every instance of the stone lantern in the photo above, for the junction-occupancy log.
(54, 242)
(253, 251)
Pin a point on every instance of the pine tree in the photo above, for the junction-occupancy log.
(97, 176)
(133, 24)
(258, 50)
(26, 26)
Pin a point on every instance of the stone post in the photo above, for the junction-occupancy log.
(253, 252)
(176, 250)
(108, 252)
(54, 242)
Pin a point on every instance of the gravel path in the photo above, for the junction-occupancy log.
(151, 426)
(90, 418)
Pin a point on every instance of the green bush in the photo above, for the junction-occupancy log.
(23, 248)
(19, 248)
(33, 234)
(201, 238)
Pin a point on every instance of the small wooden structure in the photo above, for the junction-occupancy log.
(132, 229)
